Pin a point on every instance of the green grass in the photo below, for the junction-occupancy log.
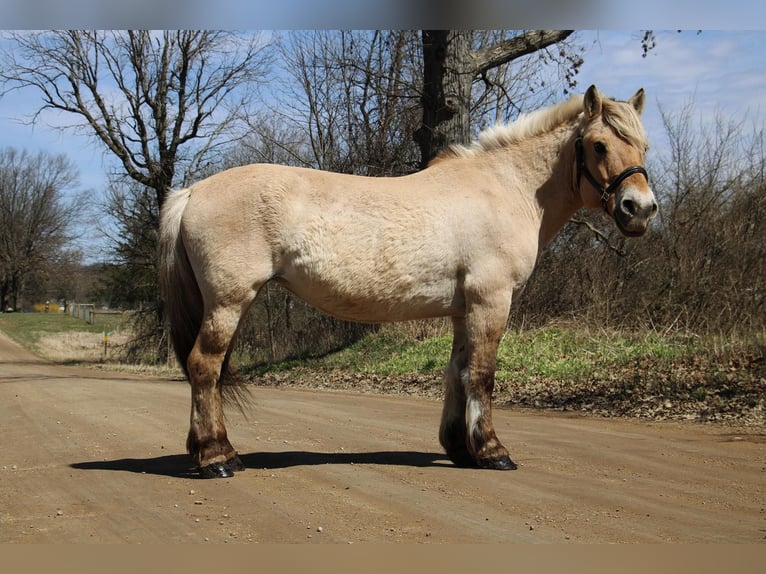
(394, 355)
(559, 353)
(551, 353)
(27, 328)
(562, 368)
(374, 353)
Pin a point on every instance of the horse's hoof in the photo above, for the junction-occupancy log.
(222, 469)
(216, 470)
(500, 463)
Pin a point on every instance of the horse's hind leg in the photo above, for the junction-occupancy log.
(452, 432)
(207, 441)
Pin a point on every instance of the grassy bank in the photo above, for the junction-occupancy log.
(650, 375)
(556, 352)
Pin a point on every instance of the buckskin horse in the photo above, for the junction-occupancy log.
(453, 240)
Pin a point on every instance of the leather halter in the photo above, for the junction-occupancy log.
(605, 192)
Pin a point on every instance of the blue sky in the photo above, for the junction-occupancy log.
(722, 71)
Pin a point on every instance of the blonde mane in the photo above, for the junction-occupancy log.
(622, 117)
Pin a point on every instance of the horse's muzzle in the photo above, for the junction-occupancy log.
(633, 210)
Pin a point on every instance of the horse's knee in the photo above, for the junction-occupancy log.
(204, 368)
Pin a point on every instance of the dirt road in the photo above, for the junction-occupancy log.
(88, 456)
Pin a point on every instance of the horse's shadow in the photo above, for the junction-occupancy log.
(179, 465)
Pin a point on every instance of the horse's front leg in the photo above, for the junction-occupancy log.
(485, 325)
(208, 442)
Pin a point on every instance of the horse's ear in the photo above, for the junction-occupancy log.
(638, 100)
(592, 102)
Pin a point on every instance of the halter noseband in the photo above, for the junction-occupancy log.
(605, 192)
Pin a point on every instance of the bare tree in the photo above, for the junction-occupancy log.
(712, 227)
(132, 277)
(35, 219)
(705, 162)
(271, 139)
(159, 102)
(353, 94)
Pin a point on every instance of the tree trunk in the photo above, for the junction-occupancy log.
(446, 92)
(13, 300)
(449, 68)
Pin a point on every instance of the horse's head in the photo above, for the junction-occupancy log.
(610, 149)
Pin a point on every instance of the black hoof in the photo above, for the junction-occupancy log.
(501, 463)
(216, 470)
(222, 469)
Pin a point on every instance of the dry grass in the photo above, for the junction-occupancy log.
(80, 347)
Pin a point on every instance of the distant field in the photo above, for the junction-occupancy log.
(59, 337)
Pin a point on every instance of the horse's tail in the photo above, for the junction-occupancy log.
(182, 300)
(181, 297)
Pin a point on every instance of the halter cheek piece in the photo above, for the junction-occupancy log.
(605, 192)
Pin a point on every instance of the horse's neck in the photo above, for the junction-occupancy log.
(553, 190)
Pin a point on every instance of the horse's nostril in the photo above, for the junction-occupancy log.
(629, 207)
(655, 208)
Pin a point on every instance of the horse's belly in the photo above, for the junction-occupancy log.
(376, 298)
(369, 265)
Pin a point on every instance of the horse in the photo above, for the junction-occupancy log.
(455, 239)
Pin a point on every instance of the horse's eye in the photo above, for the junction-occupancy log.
(600, 148)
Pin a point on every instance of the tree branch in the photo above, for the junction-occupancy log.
(599, 235)
(515, 47)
